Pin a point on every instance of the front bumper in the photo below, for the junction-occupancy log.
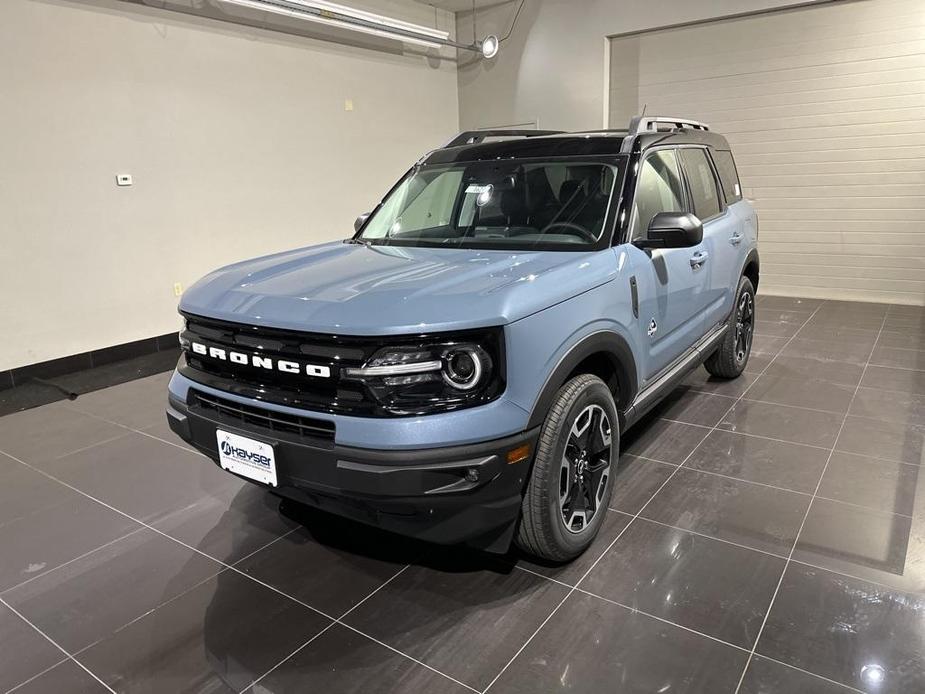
(429, 494)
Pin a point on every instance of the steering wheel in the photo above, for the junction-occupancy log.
(584, 232)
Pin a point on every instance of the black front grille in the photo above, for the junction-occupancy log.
(272, 422)
(325, 394)
(304, 370)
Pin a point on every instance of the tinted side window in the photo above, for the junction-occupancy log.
(728, 176)
(702, 183)
(658, 189)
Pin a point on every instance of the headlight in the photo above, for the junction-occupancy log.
(184, 343)
(464, 366)
(436, 375)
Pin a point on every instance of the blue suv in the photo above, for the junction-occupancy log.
(461, 369)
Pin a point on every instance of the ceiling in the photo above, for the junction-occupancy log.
(461, 5)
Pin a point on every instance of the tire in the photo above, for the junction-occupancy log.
(582, 406)
(732, 356)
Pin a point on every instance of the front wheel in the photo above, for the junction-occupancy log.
(569, 489)
(730, 359)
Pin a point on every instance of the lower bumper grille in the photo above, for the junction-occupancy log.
(270, 421)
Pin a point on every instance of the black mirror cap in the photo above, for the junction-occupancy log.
(672, 230)
(360, 221)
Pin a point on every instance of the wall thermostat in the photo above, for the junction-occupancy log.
(123, 179)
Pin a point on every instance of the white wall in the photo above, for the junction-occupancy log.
(823, 108)
(551, 70)
(237, 139)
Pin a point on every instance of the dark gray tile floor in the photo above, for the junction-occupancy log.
(765, 535)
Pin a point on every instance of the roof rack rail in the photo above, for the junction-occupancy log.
(474, 137)
(643, 124)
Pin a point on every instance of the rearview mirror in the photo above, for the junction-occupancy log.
(360, 221)
(672, 230)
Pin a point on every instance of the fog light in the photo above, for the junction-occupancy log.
(472, 474)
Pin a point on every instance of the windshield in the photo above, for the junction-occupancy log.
(507, 204)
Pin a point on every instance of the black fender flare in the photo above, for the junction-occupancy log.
(610, 343)
(752, 257)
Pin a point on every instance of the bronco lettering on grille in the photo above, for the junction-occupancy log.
(269, 363)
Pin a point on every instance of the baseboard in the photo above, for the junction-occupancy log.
(86, 360)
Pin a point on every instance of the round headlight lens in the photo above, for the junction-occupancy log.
(463, 367)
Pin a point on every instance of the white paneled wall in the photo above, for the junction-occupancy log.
(825, 110)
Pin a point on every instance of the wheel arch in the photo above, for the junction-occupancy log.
(751, 267)
(605, 354)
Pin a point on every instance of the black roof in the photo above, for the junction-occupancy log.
(533, 144)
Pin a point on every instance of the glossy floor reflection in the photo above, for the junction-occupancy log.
(766, 535)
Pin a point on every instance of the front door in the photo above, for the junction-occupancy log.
(672, 283)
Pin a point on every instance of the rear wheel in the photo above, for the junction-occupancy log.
(569, 490)
(730, 359)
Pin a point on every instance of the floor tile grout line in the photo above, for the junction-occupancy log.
(631, 609)
(787, 489)
(57, 645)
(334, 622)
(236, 570)
(761, 551)
(879, 460)
(813, 674)
(793, 443)
(290, 656)
(186, 591)
(409, 657)
(637, 515)
(70, 561)
(646, 519)
(809, 507)
(720, 474)
(801, 407)
(37, 675)
(123, 426)
(121, 435)
(743, 433)
(661, 619)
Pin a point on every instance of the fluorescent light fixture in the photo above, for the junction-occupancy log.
(344, 17)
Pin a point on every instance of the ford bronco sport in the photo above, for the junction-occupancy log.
(460, 370)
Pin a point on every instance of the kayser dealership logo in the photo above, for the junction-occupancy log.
(256, 361)
(233, 451)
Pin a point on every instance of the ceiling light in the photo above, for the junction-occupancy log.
(490, 45)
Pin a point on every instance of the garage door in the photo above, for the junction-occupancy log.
(825, 110)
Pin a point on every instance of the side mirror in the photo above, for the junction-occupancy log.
(360, 221)
(672, 230)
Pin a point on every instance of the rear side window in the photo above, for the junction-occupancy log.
(728, 176)
(702, 183)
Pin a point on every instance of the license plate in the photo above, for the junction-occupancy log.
(246, 457)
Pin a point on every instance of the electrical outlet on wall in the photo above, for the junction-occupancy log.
(177, 289)
(123, 179)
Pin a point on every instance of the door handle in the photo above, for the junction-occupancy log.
(699, 259)
(736, 239)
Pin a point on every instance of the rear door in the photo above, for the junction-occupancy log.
(672, 285)
(722, 234)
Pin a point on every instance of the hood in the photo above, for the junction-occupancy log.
(380, 290)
